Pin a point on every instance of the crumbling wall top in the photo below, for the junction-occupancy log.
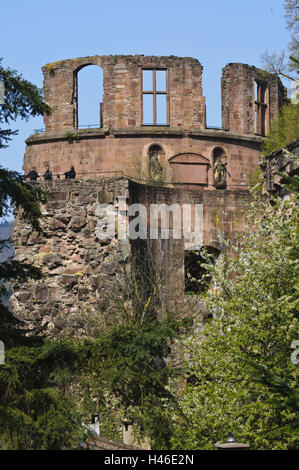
(139, 59)
(251, 98)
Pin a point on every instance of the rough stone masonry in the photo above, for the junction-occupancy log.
(73, 256)
(80, 265)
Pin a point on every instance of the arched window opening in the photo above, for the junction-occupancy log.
(197, 276)
(155, 167)
(220, 168)
(89, 97)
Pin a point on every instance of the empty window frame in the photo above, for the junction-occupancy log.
(154, 97)
(261, 108)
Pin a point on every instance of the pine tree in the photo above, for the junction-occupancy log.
(34, 411)
(22, 100)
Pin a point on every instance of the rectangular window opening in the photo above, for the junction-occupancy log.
(261, 108)
(154, 97)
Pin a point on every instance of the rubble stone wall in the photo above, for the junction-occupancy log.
(74, 256)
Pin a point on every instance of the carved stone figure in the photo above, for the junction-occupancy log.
(220, 172)
(155, 168)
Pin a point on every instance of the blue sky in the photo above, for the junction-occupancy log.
(215, 32)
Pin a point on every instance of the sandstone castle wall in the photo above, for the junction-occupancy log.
(113, 160)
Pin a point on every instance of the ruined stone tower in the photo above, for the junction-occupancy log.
(152, 130)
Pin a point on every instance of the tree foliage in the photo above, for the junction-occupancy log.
(126, 369)
(130, 377)
(34, 414)
(22, 100)
(292, 17)
(253, 321)
(284, 128)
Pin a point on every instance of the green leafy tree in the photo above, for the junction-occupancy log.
(284, 396)
(284, 129)
(127, 364)
(241, 377)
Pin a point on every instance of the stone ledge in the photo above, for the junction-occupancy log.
(62, 134)
(79, 134)
(149, 130)
(225, 134)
